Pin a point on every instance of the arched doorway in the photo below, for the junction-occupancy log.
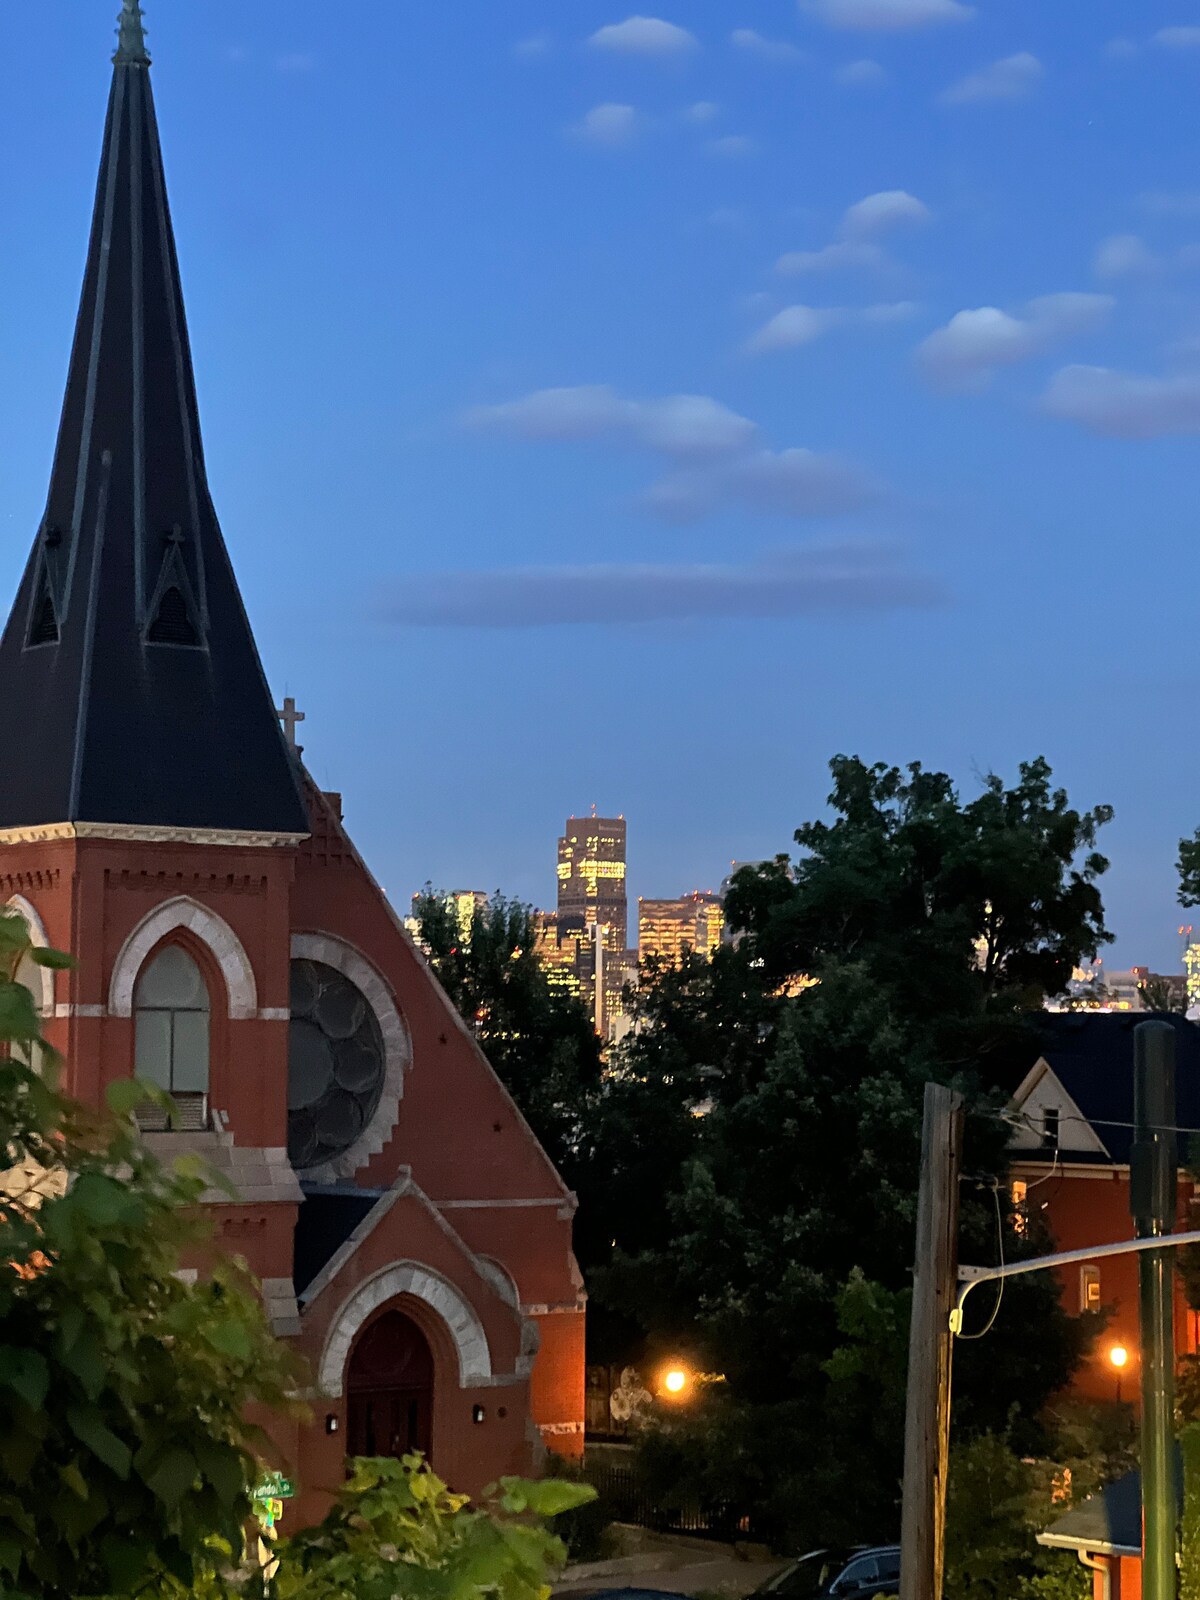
(390, 1390)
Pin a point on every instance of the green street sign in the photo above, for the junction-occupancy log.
(274, 1486)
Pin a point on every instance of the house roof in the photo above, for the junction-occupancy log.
(1091, 1054)
(1108, 1523)
(131, 690)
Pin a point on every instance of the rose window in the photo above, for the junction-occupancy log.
(336, 1064)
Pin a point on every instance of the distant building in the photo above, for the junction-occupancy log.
(464, 902)
(588, 937)
(666, 928)
(1093, 988)
(591, 880)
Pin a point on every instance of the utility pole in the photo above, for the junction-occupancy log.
(935, 1286)
(1153, 1189)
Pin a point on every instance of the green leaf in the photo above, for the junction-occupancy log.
(230, 1338)
(26, 1373)
(90, 1429)
(102, 1200)
(84, 1359)
(74, 1480)
(125, 1095)
(552, 1496)
(173, 1475)
(57, 960)
(18, 1015)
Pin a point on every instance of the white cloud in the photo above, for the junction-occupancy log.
(837, 257)
(1125, 405)
(716, 459)
(831, 580)
(886, 16)
(645, 36)
(965, 354)
(1178, 38)
(1012, 78)
(881, 213)
(536, 45)
(702, 112)
(754, 43)
(1124, 255)
(861, 224)
(863, 74)
(796, 326)
(1120, 49)
(609, 126)
(792, 327)
(733, 146)
(677, 425)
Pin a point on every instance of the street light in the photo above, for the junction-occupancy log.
(1118, 1360)
(675, 1381)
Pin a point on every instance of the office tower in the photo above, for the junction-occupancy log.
(666, 928)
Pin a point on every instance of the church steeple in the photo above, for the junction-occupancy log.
(131, 37)
(131, 690)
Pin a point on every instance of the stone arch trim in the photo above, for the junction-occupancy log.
(38, 938)
(397, 1047)
(420, 1283)
(212, 931)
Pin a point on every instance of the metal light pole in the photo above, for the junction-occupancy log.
(1153, 1182)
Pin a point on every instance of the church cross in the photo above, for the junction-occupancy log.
(291, 718)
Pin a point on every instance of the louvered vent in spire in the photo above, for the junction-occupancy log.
(43, 626)
(173, 625)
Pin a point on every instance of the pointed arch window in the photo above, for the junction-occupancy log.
(172, 1014)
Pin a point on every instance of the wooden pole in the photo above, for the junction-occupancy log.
(927, 1422)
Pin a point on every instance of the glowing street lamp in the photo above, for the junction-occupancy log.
(1118, 1360)
(675, 1382)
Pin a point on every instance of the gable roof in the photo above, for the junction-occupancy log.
(131, 690)
(1091, 1055)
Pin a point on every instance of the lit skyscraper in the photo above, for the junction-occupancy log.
(666, 928)
(591, 880)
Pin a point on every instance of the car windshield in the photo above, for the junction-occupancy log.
(806, 1579)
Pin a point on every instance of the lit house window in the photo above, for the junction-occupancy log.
(1018, 1195)
(1089, 1288)
(171, 1011)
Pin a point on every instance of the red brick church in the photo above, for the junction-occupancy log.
(412, 1237)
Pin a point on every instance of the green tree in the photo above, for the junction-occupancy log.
(963, 910)
(924, 925)
(124, 1391)
(537, 1036)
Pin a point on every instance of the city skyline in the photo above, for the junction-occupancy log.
(701, 355)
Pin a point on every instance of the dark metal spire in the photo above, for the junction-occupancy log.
(131, 690)
(131, 37)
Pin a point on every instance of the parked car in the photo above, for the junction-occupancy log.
(845, 1574)
(635, 1594)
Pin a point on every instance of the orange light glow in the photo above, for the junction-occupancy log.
(1118, 1357)
(675, 1380)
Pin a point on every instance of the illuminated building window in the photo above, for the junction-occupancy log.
(1018, 1194)
(1089, 1288)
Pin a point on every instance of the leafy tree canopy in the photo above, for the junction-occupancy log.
(757, 1144)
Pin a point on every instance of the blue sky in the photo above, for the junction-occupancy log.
(640, 408)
